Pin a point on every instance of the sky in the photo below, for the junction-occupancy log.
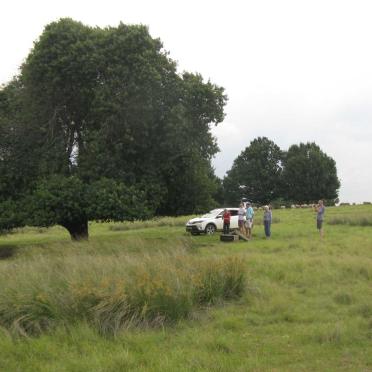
(294, 70)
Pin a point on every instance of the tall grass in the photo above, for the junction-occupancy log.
(155, 222)
(113, 292)
(353, 220)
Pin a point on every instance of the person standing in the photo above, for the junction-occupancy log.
(320, 209)
(226, 221)
(241, 218)
(249, 220)
(267, 219)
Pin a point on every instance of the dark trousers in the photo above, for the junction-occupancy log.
(267, 225)
(226, 227)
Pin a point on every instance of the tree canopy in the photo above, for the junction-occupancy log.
(264, 173)
(309, 174)
(255, 173)
(93, 107)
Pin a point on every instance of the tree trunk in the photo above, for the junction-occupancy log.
(78, 230)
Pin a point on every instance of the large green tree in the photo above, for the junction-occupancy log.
(309, 174)
(255, 174)
(95, 103)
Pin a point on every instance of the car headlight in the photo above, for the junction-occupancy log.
(195, 222)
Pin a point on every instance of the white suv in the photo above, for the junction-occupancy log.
(212, 221)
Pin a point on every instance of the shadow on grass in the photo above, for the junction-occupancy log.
(7, 251)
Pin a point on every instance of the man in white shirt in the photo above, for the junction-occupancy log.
(241, 218)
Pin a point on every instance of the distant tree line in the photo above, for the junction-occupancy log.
(265, 174)
(99, 125)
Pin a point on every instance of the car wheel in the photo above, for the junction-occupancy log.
(210, 229)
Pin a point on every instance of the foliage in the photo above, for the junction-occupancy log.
(193, 187)
(109, 200)
(255, 174)
(309, 174)
(17, 165)
(57, 200)
(69, 202)
(10, 216)
(108, 103)
(265, 174)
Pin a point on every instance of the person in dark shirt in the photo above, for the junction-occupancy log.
(226, 221)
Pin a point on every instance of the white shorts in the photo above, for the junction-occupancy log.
(249, 223)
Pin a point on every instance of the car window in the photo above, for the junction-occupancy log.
(233, 212)
(212, 214)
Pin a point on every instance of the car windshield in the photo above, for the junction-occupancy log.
(212, 214)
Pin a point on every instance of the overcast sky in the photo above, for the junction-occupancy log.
(294, 71)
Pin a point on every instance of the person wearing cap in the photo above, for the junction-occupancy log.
(249, 220)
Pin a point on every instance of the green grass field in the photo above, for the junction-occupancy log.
(306, 303)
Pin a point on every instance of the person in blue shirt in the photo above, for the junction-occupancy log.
(249, 220)
(320, 209)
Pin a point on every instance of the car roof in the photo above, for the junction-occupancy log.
(229, 208)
